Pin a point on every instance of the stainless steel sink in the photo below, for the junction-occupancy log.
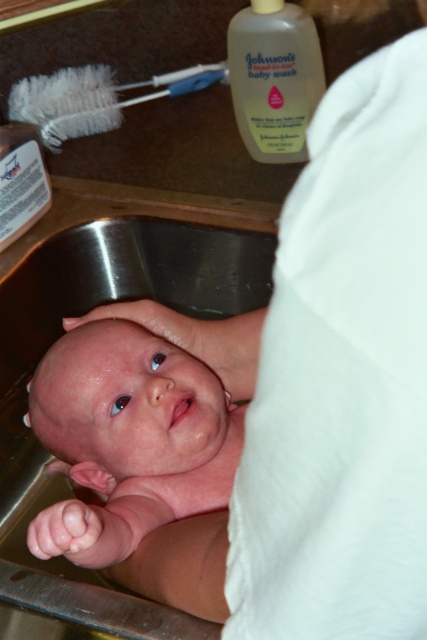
(200, 270)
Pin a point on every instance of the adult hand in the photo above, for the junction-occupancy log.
(229, 347)
(160, 320)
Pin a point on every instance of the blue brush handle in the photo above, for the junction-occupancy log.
(195, 83)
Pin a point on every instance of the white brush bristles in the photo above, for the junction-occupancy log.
(71, 103)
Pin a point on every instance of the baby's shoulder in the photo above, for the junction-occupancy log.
(175, 492)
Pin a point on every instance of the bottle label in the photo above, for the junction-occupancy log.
(278, 116)
(24, 188)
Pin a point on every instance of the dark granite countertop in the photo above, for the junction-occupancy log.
(187, 144)
(190, 143)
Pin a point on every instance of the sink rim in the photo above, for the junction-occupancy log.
(77, 202)
(119, 614)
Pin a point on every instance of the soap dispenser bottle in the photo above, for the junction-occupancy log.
(25, 188)
(277, 78)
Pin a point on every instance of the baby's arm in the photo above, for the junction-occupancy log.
(92, 536)
(182, 565)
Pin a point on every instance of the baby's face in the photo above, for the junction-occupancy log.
(142, 406)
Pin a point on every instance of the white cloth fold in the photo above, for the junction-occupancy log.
(328, 521)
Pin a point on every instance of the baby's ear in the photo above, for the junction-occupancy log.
(93, 476)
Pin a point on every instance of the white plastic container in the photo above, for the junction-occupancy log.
(277, 78)
(25, 189)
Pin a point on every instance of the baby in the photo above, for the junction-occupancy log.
(138, 420)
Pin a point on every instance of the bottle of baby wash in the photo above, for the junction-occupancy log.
(25, 189)
(277, 78)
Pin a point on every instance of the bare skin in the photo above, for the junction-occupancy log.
(229, 347)
(157, 569)
(140, 421)
(182, 565)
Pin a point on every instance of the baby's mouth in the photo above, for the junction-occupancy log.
(180, 410)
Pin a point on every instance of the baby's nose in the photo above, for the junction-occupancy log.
(158, 388)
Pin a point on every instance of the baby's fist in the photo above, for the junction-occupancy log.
(82, 523)
(64, 528)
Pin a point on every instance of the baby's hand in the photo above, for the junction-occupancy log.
(64, 528)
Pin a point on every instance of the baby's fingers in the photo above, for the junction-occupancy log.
(83, 524)
(47, 536)
(40, 549)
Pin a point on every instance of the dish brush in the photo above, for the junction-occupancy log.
(82, 101)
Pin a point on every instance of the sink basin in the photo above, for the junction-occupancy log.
(204, 271)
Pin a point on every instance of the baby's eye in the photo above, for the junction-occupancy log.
(157, 360)
(120, 404)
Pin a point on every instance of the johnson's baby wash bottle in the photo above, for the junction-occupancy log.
(277, 78)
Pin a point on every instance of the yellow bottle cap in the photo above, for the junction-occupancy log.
(267, 6)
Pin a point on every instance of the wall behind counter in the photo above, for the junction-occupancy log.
(188, 144)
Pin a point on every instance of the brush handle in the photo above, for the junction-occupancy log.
(181, 88)
(195, 83)
(175, 76)
(166, 78)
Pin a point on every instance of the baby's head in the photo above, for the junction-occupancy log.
(114, 394)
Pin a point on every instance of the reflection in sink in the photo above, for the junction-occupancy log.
(202, 271)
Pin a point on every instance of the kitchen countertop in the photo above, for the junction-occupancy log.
(77, 201)
(186, 144)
